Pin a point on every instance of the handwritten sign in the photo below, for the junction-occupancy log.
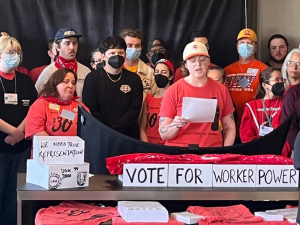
(234, 175)
(190, 175)
(58, 150)
(57, 176)
(276, 176)
(145, 175)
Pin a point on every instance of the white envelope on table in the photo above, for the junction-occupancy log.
(199, 110)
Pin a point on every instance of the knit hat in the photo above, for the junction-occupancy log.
(247, 33)
(193, 49)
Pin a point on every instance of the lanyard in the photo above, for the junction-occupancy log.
(15, 84)
(267, 116)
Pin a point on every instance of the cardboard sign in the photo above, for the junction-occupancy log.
(276, 176)
(57, 176)
(58, 150)
(234, 175)
(145, 175)
(190, 175)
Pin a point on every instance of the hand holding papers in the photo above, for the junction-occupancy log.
(199, 110)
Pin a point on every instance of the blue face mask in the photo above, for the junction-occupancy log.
(245, 50)
(11, 61)
(133, 53)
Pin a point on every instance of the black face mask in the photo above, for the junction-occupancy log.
(156, 57)
(161, 80)
(278, 89)
(116, 61)
(100, 65)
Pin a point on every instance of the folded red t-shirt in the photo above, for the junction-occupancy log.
(230, 215)
(75, 213)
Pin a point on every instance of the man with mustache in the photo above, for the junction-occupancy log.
(66, 42)
(278, 48)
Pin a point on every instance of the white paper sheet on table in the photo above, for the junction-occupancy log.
(199, 110)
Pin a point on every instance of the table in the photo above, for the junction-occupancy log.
(109, 188)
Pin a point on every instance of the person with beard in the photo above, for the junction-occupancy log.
(242, 76)
(66, 42)
(198, 36)
(113, 94)
(291, 68)
(179, 131)
(163, 75)
(156, 51)
(262, 115)
(278, 48)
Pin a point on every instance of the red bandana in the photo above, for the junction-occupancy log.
(61, 62)
(57, 101)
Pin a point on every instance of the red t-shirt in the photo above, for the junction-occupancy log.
(75, 213)
(242, 81)
(153, 107)
(36, 72)
(46, 116)
(249, 129)
(196, 133)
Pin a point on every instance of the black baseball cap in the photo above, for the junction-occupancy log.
(66, 33)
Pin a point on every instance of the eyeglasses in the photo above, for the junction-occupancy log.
(292, 63)
(162, 51)
(97, 61)
(278, 79)
(194, 60)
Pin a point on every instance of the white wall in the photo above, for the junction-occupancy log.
(277, 16)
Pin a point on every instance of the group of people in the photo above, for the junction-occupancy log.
(143, 101)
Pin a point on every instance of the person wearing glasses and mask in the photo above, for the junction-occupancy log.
(291, 68)
(163, 75)
(95, 58)
(17, 95)
(156, 51)
(177, 130)
(113, 94)
(262, 115)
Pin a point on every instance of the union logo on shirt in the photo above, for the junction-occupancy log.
(125, 88)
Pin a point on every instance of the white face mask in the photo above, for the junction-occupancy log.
(245, 50)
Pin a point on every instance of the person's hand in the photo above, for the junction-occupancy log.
(180, 121)
(17, 135)
(9, 140)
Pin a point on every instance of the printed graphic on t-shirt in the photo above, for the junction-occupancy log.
(146, 85)
(273, 111)
(240, 81)
(62, 124)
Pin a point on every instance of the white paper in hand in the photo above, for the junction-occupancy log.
(199, 110)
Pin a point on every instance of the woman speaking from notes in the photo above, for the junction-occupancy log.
(262, 115)
(55, 111)
(177, 130)
(17, 94)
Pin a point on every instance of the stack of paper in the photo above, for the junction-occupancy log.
(269, 216)
(187, 217)
(132, 211)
